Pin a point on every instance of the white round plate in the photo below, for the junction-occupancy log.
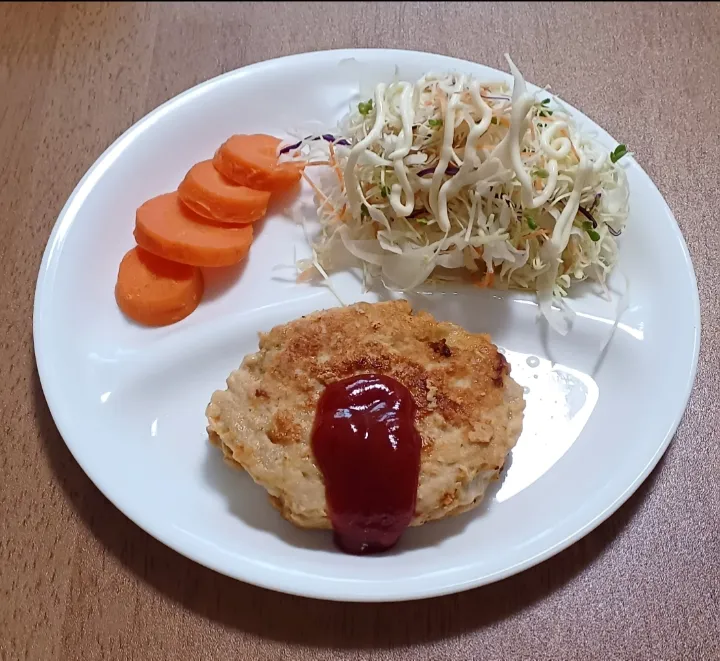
(130, 401)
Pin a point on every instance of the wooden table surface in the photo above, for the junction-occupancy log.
(80, 581)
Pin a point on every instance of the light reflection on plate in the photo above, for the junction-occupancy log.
(558, 403)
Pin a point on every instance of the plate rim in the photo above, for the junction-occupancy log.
(328, 588)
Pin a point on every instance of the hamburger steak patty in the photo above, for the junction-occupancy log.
(469, 409)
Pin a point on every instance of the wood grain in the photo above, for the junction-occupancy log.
(80, 581)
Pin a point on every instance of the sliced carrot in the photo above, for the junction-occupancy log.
(165, 227)
(211, 195)
(251, 160)
(154, 291)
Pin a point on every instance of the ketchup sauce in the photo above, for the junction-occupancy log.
(366, 445)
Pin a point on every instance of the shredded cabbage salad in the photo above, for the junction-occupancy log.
(451, 178)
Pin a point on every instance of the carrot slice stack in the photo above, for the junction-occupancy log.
(207, 222)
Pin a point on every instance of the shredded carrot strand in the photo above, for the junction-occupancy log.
(325, 199)
(487, 281)
(541, 232)
(336, 168)
(314, 187)
(306, 275)
(442, 99)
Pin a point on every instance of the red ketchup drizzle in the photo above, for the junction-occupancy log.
(366, 445)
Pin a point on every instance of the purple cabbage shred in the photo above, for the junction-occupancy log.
(327, 137)
(285, 150)
(451, 169)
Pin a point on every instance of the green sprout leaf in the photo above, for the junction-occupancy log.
(384, 191)
(365, 108)
(435, 123)
(618, 153)
(531, 223)
(544, 110)
(593, 235)
(542, 173)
